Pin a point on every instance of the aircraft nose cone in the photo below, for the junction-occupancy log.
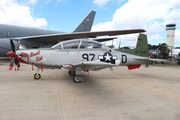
(11, 54)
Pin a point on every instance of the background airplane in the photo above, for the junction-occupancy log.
(175, 52)
(83, 55)
(10, 31)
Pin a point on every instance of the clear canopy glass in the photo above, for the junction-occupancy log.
(77, 44)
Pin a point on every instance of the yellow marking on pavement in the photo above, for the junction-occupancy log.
(157, 89)
(173, 95)
(37, 79)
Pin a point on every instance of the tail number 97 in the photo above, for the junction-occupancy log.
(88, 57)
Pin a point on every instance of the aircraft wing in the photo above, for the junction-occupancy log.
(104, 39)
(90, 65)
(76, 35)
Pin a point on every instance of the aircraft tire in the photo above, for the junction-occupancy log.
(37, 76)
(72, 73)
(76, 80)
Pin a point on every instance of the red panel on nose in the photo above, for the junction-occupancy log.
(11, 54)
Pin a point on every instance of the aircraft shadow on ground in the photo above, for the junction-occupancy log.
(92, 86)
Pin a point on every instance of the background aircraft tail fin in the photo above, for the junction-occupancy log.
(86, 24)
(142, 46)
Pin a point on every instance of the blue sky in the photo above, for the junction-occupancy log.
(65, 15)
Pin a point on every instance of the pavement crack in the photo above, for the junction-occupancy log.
(60, 99)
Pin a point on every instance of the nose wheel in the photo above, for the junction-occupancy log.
(37, 76)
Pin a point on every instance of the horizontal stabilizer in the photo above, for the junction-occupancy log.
(150, 59)
(158, 60)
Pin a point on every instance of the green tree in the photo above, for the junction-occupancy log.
(111, 46)
(164, 50)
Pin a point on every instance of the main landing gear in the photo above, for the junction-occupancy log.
(77, 77)
(72, 73)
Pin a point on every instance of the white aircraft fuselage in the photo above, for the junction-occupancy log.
(57, 58)
(79, 55)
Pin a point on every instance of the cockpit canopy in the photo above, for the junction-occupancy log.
(77, 44)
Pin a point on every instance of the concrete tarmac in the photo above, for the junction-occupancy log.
(143, 94)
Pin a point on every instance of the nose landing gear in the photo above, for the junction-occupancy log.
(37, 76)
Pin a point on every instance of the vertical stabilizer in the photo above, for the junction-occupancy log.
(86, 24)
(142, 46)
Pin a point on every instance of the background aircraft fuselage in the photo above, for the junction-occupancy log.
(11, 31)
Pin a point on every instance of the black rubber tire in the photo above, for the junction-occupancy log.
(72, 73)
(76, 81)
(37, 76)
